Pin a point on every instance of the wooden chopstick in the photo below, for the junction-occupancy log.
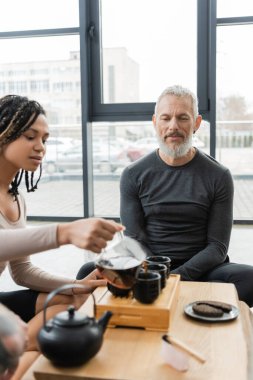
(176, 342)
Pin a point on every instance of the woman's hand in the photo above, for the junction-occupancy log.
(91, 282)
(91, 234)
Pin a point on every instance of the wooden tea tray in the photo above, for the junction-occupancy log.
(129, 312)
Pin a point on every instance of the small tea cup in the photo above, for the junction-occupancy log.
(159, 259)
(147, 286)
(161, 269)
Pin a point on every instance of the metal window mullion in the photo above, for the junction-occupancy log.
(206, 75)
(243, 20)
(202, 56)
(212, 74)
(88, 193)
(39, 33)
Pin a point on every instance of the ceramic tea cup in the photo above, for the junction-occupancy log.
(147, 286)
(159, 259)
(159, 268)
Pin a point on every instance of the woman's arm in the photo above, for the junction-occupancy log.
(91, 234)
(26, 241)
(24, 273)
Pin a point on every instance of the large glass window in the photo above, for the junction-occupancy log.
(39, 14)
(234, 8)
(115, 146)
(235, 112)
(47, 69)
(146, 46)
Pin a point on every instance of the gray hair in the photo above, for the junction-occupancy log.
(180, 91)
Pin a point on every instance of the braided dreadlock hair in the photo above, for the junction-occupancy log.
(17, 114)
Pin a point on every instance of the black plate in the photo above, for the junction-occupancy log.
(233, 314)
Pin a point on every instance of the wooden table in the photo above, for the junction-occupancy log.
(134, 354)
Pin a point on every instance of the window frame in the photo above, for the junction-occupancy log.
(92, 108)
(242, 20)
(143, 111)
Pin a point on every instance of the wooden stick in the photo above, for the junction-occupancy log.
(184, 347)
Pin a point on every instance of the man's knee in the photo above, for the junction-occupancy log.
(85, 270)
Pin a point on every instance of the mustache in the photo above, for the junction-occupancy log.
(173, 134)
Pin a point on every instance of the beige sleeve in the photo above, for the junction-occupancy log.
(24, 273)
(27, 241)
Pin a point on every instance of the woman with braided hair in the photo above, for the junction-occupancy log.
(23, 135)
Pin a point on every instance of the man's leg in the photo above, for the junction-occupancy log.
(21, 302)
(240, 275)
(86, 269)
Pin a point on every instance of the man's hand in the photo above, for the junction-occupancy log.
(13, 340)
(91, 234)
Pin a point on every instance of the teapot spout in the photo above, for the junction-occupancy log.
(103, 321)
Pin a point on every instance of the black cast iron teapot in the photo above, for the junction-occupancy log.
(71, 338)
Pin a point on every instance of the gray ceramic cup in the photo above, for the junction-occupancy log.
(147, 286)
(161, 269)
(159, 259)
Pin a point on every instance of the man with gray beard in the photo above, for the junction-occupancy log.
(178, 201)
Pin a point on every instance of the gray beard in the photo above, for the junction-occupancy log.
(178, 151)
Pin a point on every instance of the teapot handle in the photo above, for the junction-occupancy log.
(60, 289)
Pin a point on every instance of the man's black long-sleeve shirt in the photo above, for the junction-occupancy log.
(185, 212)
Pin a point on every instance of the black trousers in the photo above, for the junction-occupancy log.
(241, 275)
(21, 302)
(86, 269)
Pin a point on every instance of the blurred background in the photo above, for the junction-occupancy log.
(98, 67)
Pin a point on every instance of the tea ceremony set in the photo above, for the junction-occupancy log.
(146, 324)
